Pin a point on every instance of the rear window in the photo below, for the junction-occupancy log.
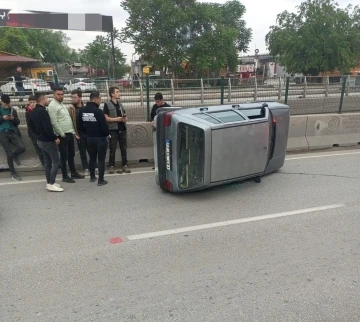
(256, 113)
(224, 116)
(191, 156)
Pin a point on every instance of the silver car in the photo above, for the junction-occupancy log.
(196, 148)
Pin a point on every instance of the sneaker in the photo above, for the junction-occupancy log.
(68, 180)
(93, 179)
(17, 160)
(56, 184)
(119, 171)
(54, 188)
(126, 169)
(102, 183)
(77, 175)
(86, 173)
(16, 177)
(111, 170)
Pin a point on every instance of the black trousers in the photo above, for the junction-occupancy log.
(116, 137)
(67, 154)
(97, 148)
(6, 140)
(82, 146)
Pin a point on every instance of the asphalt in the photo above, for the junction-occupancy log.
(59, 261)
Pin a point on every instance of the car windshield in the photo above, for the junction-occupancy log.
(191, 156)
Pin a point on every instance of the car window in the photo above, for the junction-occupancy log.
(227, 116)
(9, 79)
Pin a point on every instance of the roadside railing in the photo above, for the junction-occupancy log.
(304, 95)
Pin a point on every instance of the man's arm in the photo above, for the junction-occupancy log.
(102, 122)
(46, 123)
(80, 123)
(108, 118)
(153, 112)
(53, 111)
(15, 121)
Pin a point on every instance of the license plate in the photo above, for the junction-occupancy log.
(168, 154)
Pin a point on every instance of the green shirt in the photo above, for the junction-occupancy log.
(4, 124)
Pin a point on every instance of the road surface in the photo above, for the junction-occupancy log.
(287, 249)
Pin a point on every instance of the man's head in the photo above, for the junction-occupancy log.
(19, 69)
(32, 101)
(95, 97)
(41, 99)
(159, 99)
(114, 93)
(58, 94)
(5, 100)
(76, 96)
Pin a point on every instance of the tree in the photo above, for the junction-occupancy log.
(158, 29)
(53, 45)
(320, 37)
(217, 35)
(167, 32)
(98, 54)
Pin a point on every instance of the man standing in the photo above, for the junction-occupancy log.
(19, 83)
(64, 129)
(159, 102)
(32, 134)
(92, 122)
(10, 134)
(40, 124)
(116, 117)
(74, 109)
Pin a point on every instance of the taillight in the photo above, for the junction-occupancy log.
(168, 186)
(167, 119)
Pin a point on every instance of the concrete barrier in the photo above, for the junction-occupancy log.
(325, 131)
(305, 132)
(140, 148)
(297, 133)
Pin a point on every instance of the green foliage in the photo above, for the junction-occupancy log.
(320, 37)
(53, 45)
(166, 32)
(98, 54)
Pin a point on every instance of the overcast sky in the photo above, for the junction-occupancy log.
(260, 15)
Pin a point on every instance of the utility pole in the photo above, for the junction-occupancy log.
(113, 54)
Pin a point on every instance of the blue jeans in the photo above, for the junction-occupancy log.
(51, 159)
(21, 91)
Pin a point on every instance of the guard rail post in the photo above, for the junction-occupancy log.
(287, 90)
(148, 97)
(342, 94)
(222, 91)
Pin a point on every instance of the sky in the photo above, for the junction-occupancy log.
(260, 15)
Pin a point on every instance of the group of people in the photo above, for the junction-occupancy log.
(52, 128)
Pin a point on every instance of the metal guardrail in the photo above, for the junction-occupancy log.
(304, 95)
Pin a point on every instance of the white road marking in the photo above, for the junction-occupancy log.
(321, 156)
(231, 222)
(152, 171)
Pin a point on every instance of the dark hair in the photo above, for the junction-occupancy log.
(94, 94)
(158, 97)
(112, 90)
(77, 92)
(32, 98)
(57, 88)
(5, 98)
(39, 96)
